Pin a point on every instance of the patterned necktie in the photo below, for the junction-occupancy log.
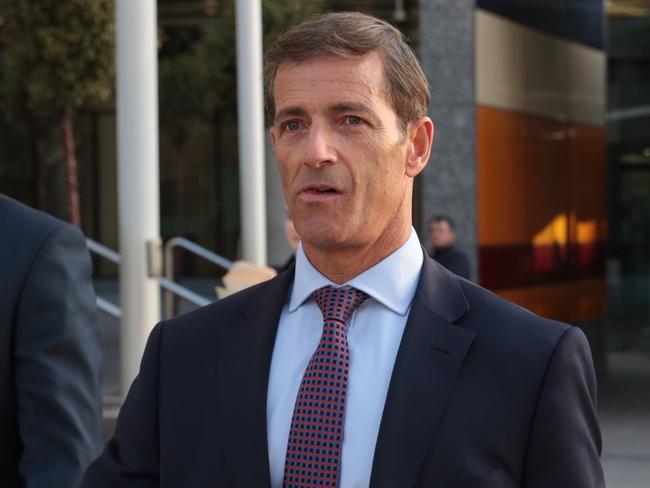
(314, 448)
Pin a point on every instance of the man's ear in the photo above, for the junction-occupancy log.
(420, 135)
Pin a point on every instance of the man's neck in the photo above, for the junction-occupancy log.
(341, 265)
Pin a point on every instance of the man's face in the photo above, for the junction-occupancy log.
(341, 152)
(441, 235)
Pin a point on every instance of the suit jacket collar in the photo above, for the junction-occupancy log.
(430, 356)
(440, 291)
(243, 399)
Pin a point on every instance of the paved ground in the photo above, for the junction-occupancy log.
(625, 420)
(624, 404)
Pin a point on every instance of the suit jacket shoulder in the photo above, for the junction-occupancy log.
(50, 350)
(512, 395)
(24, 230)
(497, 319)
(26, 222)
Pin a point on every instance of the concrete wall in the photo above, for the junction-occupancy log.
(448, 184)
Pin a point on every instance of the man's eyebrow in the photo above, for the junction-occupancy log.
(291, 111)
(337, 108)
(350, 107)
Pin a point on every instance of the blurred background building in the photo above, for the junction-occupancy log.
(542, 154)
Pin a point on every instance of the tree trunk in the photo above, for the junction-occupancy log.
(72, 181)
(42, 196)
(179, 141)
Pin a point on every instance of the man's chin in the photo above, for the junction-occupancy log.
(325, 240)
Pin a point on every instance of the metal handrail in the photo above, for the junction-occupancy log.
(107, 253)
(194, 248)
(166, 282)
(103, 251)
(109, 308)
(183, 292)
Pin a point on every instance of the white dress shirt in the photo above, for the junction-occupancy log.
(374, 336)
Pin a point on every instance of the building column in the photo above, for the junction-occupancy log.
(448, 184)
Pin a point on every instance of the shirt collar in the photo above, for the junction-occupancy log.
(392, 281)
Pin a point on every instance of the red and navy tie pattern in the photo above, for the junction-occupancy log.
(316, 435)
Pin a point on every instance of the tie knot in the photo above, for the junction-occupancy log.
(338, 303)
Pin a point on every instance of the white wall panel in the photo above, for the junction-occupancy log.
(524, 70)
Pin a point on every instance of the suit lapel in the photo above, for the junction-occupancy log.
(244, 403)
(430, 356)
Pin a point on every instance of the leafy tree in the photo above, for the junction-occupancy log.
(56, 57)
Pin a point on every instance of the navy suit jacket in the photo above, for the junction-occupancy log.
(50, 352)
(484, 394)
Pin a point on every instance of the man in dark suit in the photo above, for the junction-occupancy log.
(442, 237)
(51, 356)
(366, 363)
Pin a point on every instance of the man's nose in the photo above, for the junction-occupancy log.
(319, 149)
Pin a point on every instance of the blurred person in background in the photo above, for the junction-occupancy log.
(50, 352)
(442, 236)
(366, 363)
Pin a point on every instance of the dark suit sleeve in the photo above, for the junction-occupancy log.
(58, 360)
(565, 443)
(131, 456)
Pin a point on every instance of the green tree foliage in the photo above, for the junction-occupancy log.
(56, 56)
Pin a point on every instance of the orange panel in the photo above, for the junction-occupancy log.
(571, 302)
(536, 175)
(587, 184)
(541, 213)
(522, 175)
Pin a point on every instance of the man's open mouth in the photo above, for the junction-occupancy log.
(319, 189)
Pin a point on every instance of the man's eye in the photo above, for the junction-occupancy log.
(353, 120)
(292, 125)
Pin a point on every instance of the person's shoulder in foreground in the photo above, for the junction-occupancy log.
(50, 369)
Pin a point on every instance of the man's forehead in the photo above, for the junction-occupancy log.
(344, 81)
(367, 69)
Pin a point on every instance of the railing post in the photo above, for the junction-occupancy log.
(168, 270)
